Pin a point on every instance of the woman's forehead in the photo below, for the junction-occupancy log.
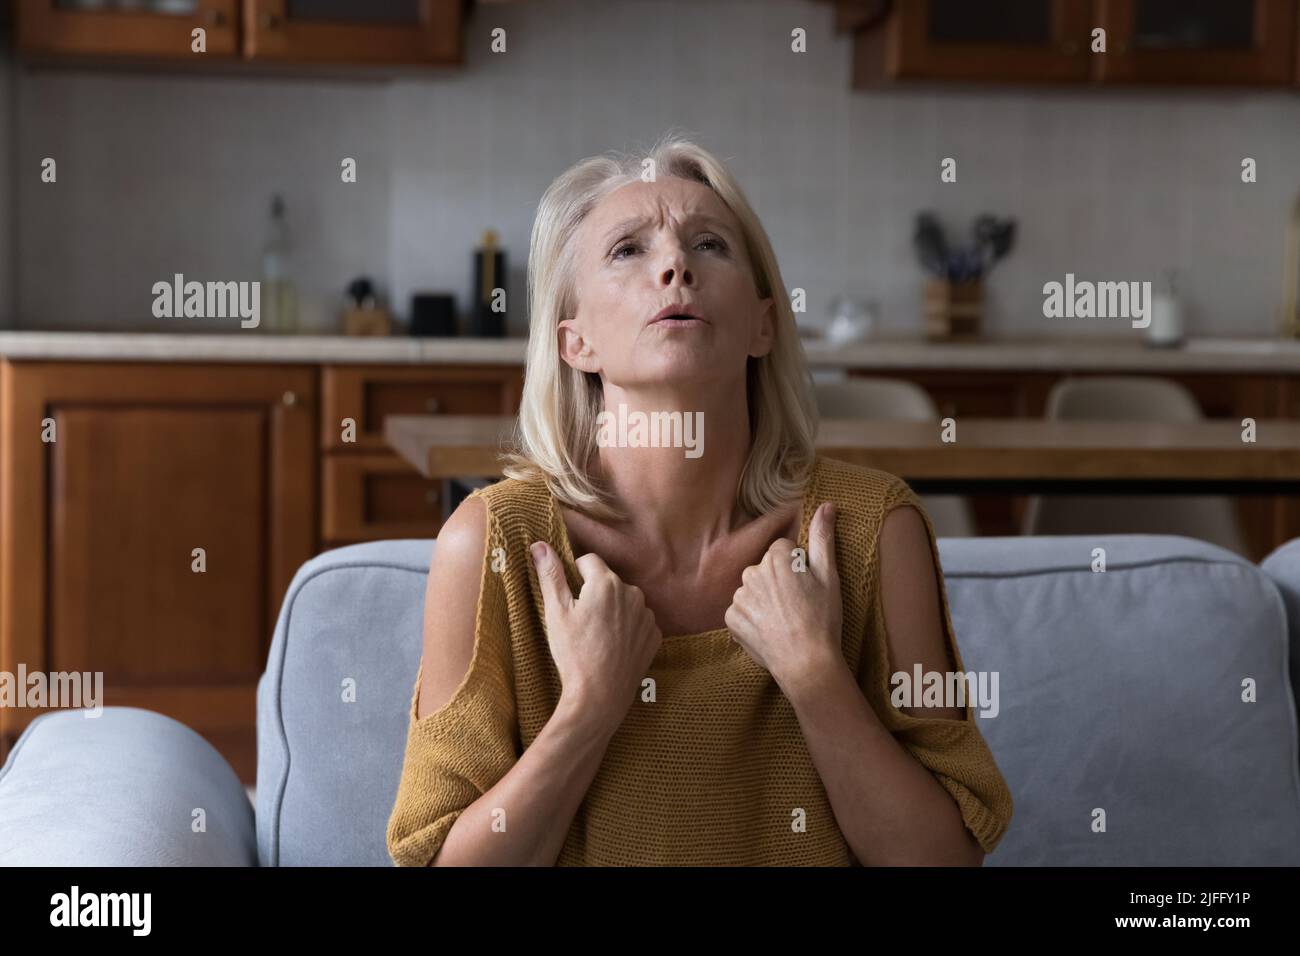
(640, 202)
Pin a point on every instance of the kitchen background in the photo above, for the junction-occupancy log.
(265, 450)
(173, 172)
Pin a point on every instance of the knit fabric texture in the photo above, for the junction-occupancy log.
(714, 770)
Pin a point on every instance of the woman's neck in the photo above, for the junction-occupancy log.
(681, 498)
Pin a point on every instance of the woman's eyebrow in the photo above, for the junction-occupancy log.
(711, 220)
(627, 226)
(623, 228)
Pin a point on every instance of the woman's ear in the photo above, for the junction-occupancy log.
(765, 331)
(574, 349)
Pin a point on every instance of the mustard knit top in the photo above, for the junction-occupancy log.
(712, 770)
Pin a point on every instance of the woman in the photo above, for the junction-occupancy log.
(692, 689)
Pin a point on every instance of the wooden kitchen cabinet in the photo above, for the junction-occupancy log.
(150, 29)
(1202, 42)
(371, 497)
(149, 462)
(322, 32)
(1026, 41)
(368, 492)
(422, 32)
(1197, 41)
(367, 394)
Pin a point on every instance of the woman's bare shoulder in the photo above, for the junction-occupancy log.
(451, 604)
(464, 535)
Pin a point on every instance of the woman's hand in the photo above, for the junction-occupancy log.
(602, 641)
(789, 619)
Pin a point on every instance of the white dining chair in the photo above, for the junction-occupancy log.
(888, 399)
(1118, 398)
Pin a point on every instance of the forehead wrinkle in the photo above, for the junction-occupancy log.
(631, 224)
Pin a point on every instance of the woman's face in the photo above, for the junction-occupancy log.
(650, 246)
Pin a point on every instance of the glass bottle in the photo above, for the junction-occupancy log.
(1291, 276)
(279, 300)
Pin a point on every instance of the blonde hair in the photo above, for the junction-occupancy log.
(556, 433)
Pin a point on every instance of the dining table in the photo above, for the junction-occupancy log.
(1013, 456)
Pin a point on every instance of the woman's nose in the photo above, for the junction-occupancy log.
(674, 269)
(673, 265)
(677, 272)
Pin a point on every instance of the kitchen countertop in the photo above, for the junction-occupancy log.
(1023, 354)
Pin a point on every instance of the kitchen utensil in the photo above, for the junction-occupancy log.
(931, 245)
(362, 314)
(993, 239)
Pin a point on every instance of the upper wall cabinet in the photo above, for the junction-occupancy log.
(1012, 40)
(1197, 41)
(353, 31)
(324, 32)
(149, 28)
(1251, 42)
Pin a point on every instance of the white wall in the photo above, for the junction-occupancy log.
(7, 228)
(164, 174)
(159, 175)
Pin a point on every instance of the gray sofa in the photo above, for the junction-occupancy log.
(1119, 690)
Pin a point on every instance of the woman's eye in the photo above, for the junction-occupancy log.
(631, 246)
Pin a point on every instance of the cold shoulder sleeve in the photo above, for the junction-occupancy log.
(457, 753)
(954, 751)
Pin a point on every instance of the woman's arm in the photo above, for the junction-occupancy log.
(540, 796)
(891, 809)
(541, 793)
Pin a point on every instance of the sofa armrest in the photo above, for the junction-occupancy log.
(129, 787)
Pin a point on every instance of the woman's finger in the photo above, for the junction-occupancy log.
(550, 577)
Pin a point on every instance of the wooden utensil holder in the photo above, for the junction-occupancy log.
(953, 310)
(366, 321)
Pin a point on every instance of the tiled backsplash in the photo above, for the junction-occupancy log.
(7, 300)
(162, 173)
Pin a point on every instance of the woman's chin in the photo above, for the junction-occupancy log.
(685, 368)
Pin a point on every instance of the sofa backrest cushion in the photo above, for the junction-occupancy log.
(1122, 694)
(332, 704)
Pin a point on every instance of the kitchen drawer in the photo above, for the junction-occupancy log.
(368, 394)
(369, 497)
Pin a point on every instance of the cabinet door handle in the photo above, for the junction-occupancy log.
(215, 17)
(289, 399)
(431, 405)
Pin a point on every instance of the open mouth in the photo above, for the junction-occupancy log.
(678, 317)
